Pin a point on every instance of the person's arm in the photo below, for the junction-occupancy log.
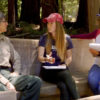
(91, 35)
(94, 52)
(43, 59)
(15, 59)
(41, 50)
(69, 48)
(3, 80)
(6, 82)
(95, 48)
(68, 59)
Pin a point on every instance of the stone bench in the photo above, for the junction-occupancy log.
(82, 61)
(7, 95)
(96, 97)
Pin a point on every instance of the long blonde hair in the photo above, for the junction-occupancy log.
(60, 42)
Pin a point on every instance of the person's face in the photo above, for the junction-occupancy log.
(3, 26)
(51, 26)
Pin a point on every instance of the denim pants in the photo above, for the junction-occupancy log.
(64, 81)
(27, 84)
(94, 79)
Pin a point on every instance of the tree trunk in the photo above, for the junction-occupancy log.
(30, 11)
(82, 18)
(16, 11)
(49, 6)
(61, 7)
(11, 12)
(93, 9)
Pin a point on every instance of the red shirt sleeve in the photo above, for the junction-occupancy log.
(91, 35)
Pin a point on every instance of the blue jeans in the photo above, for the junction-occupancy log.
(94, 79)
(27, 84)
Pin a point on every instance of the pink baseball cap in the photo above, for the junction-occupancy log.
(54, 17)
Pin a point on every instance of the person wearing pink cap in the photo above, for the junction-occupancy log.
(55, 54)
(94, 73)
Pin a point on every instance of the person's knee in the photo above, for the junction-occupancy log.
(93, 83)
(65, 74)
(61, 85)
(38, 81)
(90, 78)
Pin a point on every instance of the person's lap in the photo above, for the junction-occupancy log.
(20, 82)
(94, 78)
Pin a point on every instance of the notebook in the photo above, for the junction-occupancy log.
(55, 67)
(95, 46)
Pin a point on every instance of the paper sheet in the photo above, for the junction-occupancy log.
(95, 46)
(55, 67)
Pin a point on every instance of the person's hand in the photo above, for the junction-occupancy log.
(14, 74)
(10, 86)
(94, 52)
(50, 59)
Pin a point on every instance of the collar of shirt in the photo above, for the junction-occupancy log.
(1, 37)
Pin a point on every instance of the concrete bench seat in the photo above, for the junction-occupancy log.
(81, 63)
(7, 95)
(96, 97)
(49, 89)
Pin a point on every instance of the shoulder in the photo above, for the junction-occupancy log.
(69, 41)
(4, 38)
(44, 36)
(67, 35)
(7, 39)
(43, 39)
(68, 38)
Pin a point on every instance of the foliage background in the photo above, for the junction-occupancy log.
(68, 8)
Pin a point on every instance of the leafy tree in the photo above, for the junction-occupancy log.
(70, 10)
(4, 6)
